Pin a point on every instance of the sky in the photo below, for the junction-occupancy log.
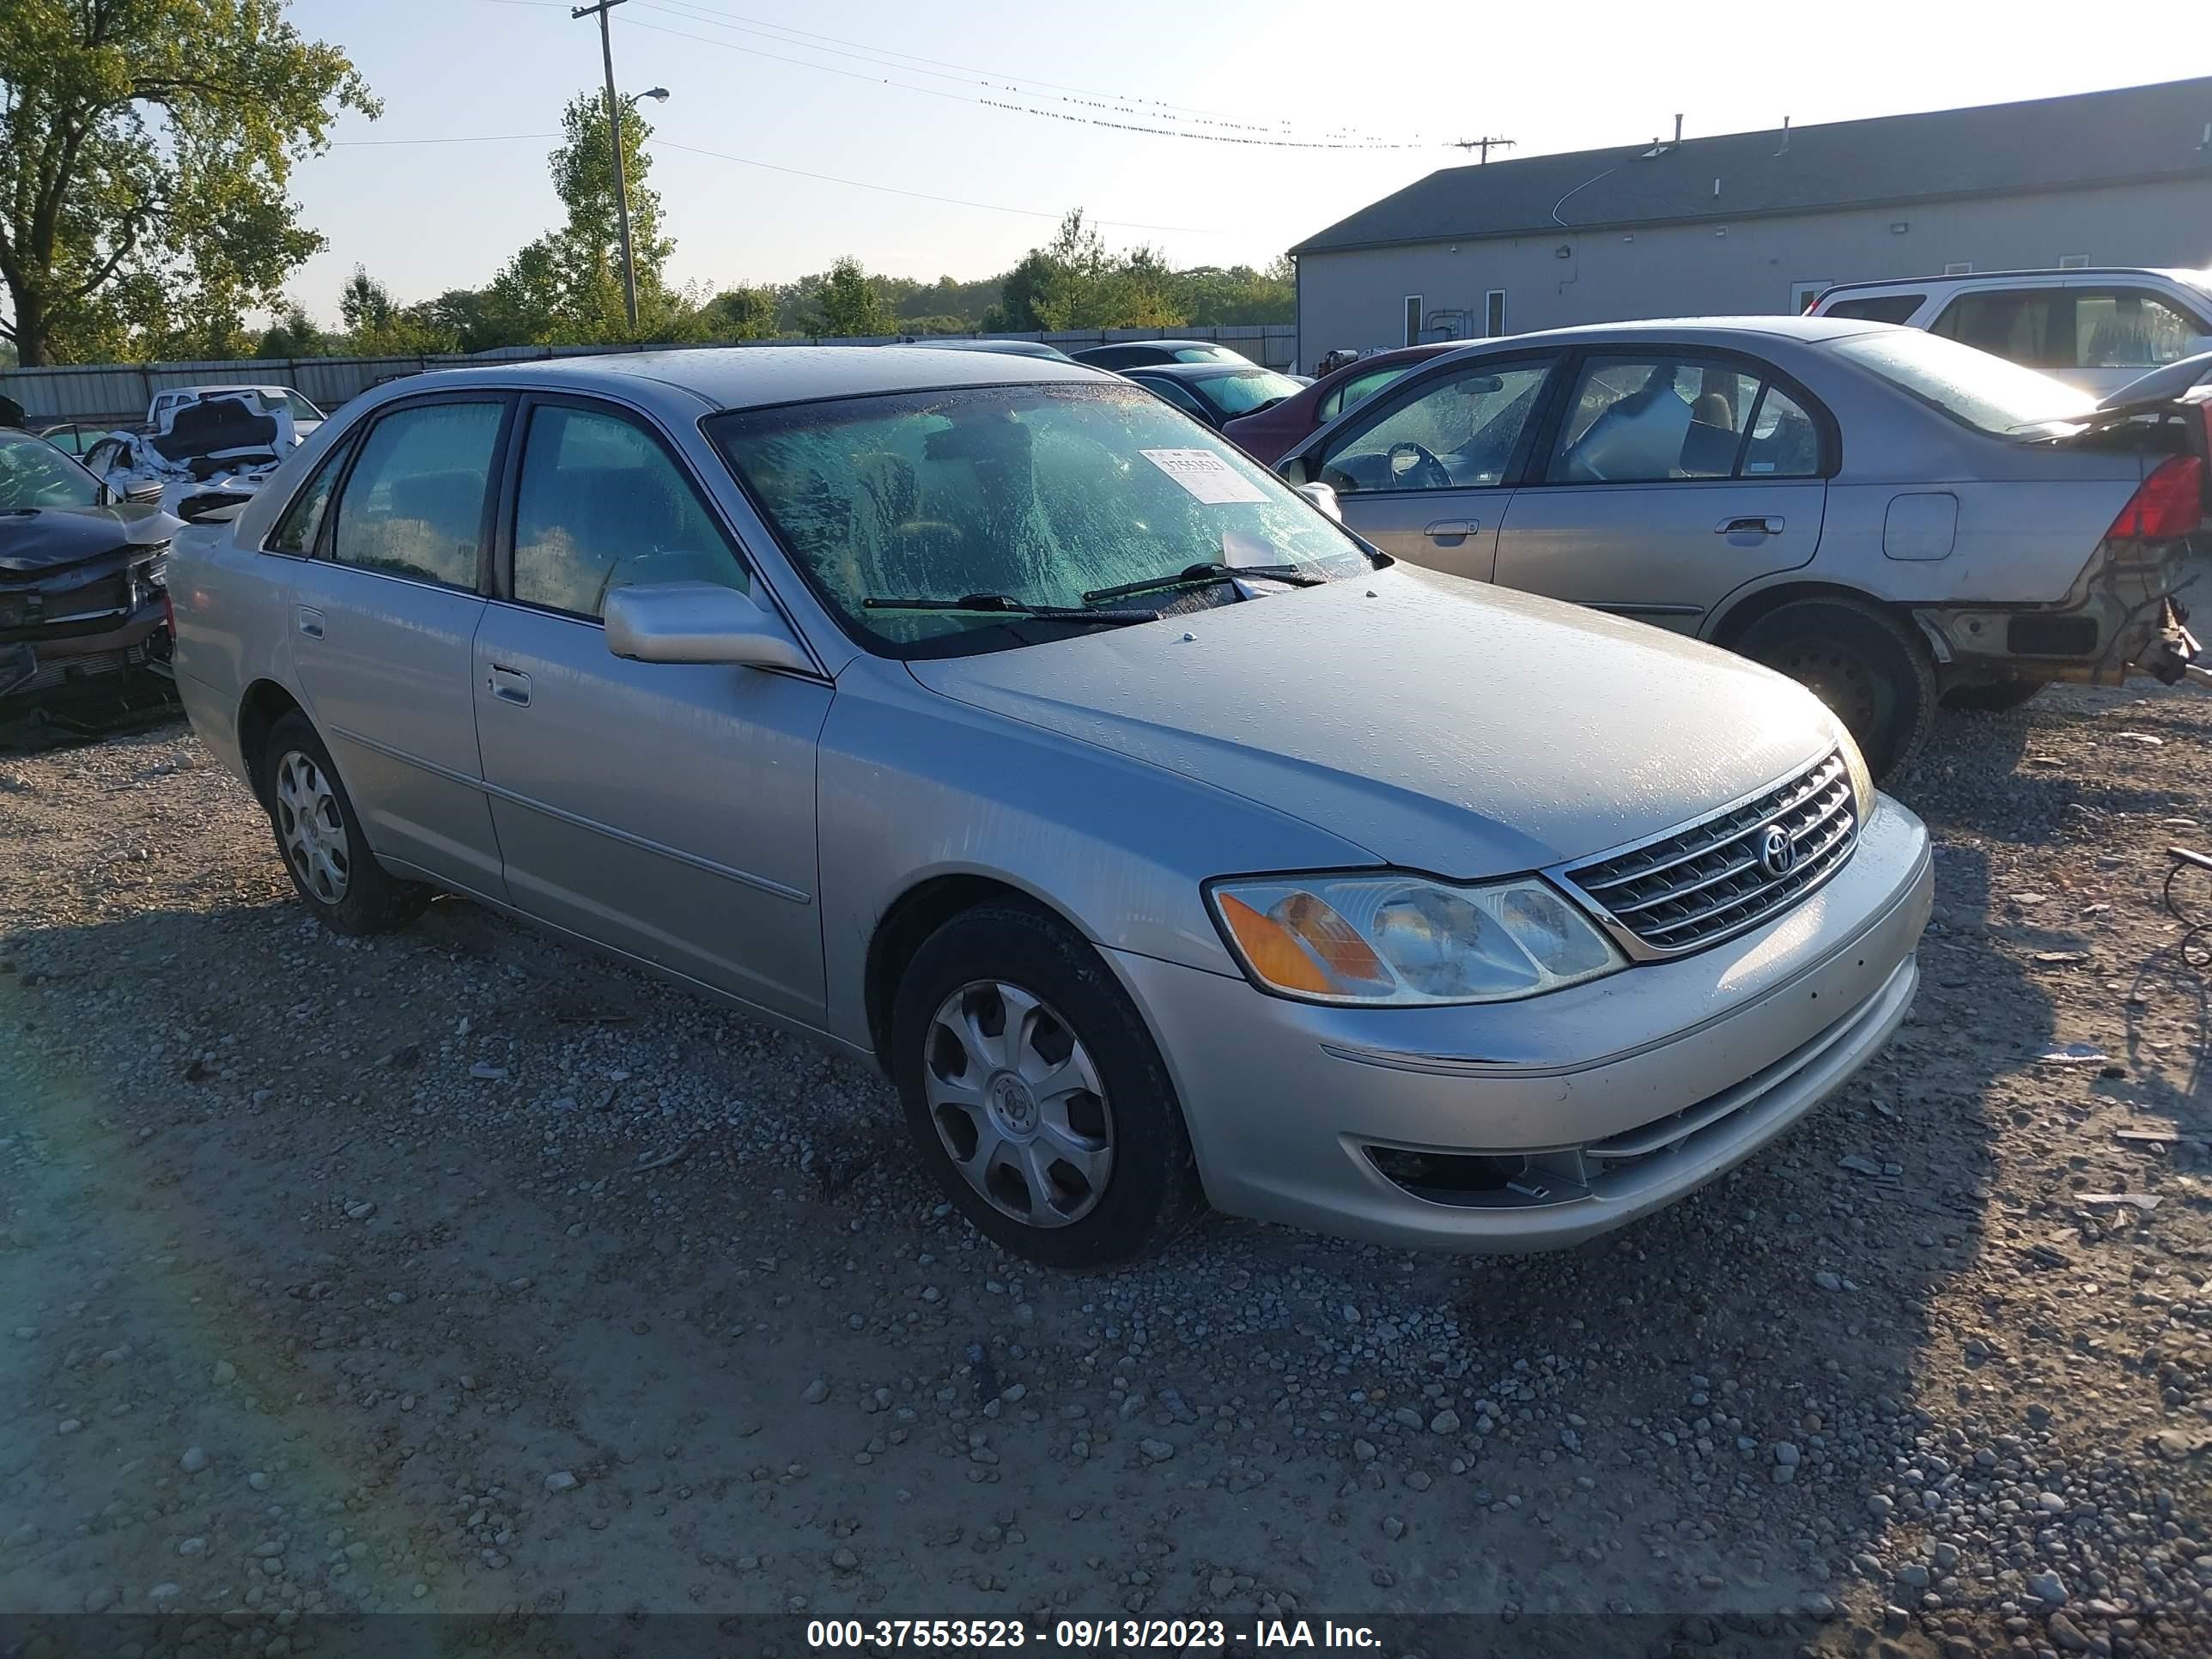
(805, 88)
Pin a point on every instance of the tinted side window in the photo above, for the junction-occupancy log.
(414, 504)
(1878, 308)
(600, 505)
(2126, 328)
(2029, 325)
(296, 530)
(1455, 433)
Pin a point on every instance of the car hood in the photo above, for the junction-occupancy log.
(1445, 727)
(52, 537)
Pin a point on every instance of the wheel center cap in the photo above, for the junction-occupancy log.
(1013, 1104)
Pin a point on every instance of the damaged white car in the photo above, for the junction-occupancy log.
(211, 452)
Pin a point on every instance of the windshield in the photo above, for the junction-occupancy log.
(1976, 388)
(34, 473)
(1240, 394)
(300, 408)
(1044, 494)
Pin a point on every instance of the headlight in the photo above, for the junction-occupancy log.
(1405, 939)
(1863, 790)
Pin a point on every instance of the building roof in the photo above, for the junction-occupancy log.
(2086, 139)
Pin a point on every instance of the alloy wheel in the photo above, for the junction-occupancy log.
(312, 827)
(1018, 1103)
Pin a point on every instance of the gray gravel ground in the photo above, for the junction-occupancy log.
(460, 1272)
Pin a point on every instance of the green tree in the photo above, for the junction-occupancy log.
(848, 304)
(365, 305)
(146, 148)
(742, 312)
(295, 335)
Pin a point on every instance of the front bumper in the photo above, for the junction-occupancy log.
(1611, 1098)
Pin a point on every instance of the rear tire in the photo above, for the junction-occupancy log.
(319, 838)
(1035, 1095)
(1871, 669)
(1996, 697)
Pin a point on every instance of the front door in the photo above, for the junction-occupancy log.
(666, 810)
(1423, 473)
(383, 626)
(1669, 480)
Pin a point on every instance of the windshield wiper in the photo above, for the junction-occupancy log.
(1008, 605)
(1212, 571)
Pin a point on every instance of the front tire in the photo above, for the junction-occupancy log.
(1035, 1095)
(319, 838)
(1871, 669)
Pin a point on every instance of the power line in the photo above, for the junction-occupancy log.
(922, 195)
(1025, 109)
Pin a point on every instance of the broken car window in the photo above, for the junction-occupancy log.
(1040, 493)
(34, 473)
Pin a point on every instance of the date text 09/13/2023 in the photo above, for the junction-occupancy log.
(1172, 1635)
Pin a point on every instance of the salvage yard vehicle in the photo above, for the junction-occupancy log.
(1216, 393)
(301, 413)
(1276, 428)
(1123, 355)
(984, 716)
(2096, 327)
(212, 452)
(1886, 516)
(84, 614)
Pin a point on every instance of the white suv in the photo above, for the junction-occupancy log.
(2096, 328)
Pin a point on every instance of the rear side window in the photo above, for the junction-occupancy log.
(1878, 308)
(600, 505)
(296, 530)
(413, 504)
(1648, 419)
(2127, 328)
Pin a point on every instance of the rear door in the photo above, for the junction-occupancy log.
(1423, 469)
(383, 630)
(1667, 478)
(663, 809)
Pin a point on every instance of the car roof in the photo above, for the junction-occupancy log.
(1200, 371)
(1710, 330)
(754, 377)
(2196, 279)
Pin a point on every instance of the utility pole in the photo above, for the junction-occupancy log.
(614, 127)
(1485, 145)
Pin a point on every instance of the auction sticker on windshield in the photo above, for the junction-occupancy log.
(1206, 476)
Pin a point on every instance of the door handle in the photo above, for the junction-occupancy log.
(311, 622)
(1450, 529)
(509, 685)
(1753, 525)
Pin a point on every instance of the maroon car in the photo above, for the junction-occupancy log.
(1271, 433)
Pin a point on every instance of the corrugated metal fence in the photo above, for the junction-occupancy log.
(118, 393)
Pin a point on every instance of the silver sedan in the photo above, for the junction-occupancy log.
(985, 717)
(1893, 519)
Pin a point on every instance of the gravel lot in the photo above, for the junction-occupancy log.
(460, 1272)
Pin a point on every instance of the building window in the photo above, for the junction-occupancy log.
(2073, 261)
(1959, 268)
(1413, 319)
(1803, 294)
(1493, 312)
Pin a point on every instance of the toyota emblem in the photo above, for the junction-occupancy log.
(1778, 853)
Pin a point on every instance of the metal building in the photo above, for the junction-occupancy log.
(1759, 221)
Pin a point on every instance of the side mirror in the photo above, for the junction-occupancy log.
(1324, 497)
(698, 623)
(1293, 471)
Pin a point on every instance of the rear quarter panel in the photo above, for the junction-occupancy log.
(232, 619)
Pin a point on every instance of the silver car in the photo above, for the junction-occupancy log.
(983, 716)
(1891, 518)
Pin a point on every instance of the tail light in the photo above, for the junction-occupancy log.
(2166, 505)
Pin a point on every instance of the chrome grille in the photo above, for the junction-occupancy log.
(1699, 886)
